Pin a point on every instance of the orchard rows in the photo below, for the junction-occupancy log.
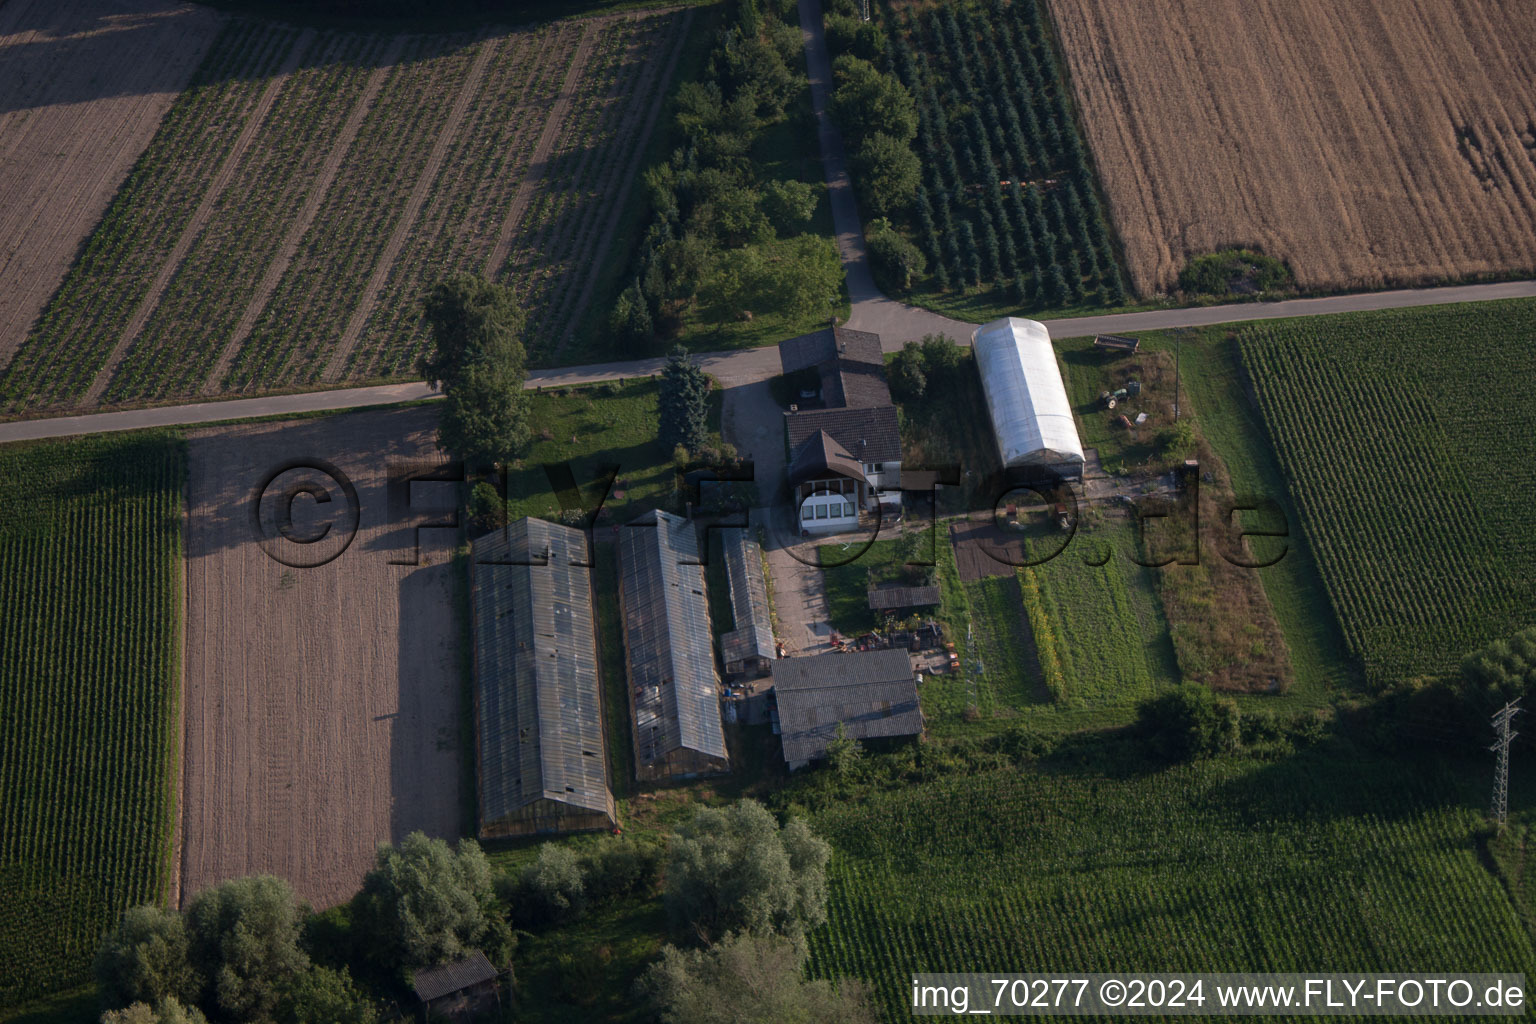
(558, 245)
(89, 656)
(1007, 199)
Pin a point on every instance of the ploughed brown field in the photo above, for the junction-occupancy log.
(323, 676)
(1366, 142)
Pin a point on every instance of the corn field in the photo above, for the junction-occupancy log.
(1407, 444)
(1313, 864)
(89, 661)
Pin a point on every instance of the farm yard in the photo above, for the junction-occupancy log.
(1007, 213)
(90, 563)
(282, 226)
(301, 773)
(1317, 863)
(1410, 462)
(83, 87)
(1364, 144)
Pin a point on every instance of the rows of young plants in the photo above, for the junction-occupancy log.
(1409, 461)
(293, 337)
(1009, 673)
(89, 669)
(1007, 204)
(86, 317)
(1088, 633)
(201, 309)
(1321, 863)
(557, 240)
(459, 224)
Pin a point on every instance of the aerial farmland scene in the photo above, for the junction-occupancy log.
(766, 511)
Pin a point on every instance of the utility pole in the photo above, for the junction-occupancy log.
(1501, 722)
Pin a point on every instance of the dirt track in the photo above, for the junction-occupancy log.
(322, 704)
(83, 87)
(1368, 143)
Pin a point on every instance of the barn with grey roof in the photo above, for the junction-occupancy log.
(538, 696)
(669, 651)
(872, 694)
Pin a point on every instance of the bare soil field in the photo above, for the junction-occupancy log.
(1368, 143)
(83, 87)
(322, 710)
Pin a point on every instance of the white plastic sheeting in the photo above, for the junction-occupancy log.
(1025, 395)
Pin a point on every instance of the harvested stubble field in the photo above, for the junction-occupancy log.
(322, 711)
(83, 87)
(1368, 143)
(308, 187)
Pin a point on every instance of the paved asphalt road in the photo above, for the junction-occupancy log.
(742, 367)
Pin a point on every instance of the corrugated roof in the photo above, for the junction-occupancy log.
(869, 435)
(540, 723)
(668, 638)
(753, 632)
(883, 598)
(1026, 398)
(872, 693)
(445, 979)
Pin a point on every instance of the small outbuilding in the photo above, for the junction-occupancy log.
(538, 696)
(747, 650)
(669, 650)
(1026, 398)
(897, 599)
(456, 989)
(872, 694)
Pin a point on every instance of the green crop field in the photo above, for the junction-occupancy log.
(1007, 213)
(1316, 863)
(307, 189)
(1405, 437)
(90, 549)
(1099, 632)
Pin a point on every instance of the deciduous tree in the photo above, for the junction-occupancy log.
(734, 868)
(748, 979)
(477, 359)
(243, 941)
(426, 903)
(144, 960)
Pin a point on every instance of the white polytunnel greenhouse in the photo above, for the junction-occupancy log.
(1026, 398)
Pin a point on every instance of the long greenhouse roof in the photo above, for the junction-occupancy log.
(753, 632)
(540, 724)
(668, 637)
(1026, 398)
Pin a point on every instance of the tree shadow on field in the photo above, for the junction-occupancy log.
(226, 465)
(427, 735)
(79, 49)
